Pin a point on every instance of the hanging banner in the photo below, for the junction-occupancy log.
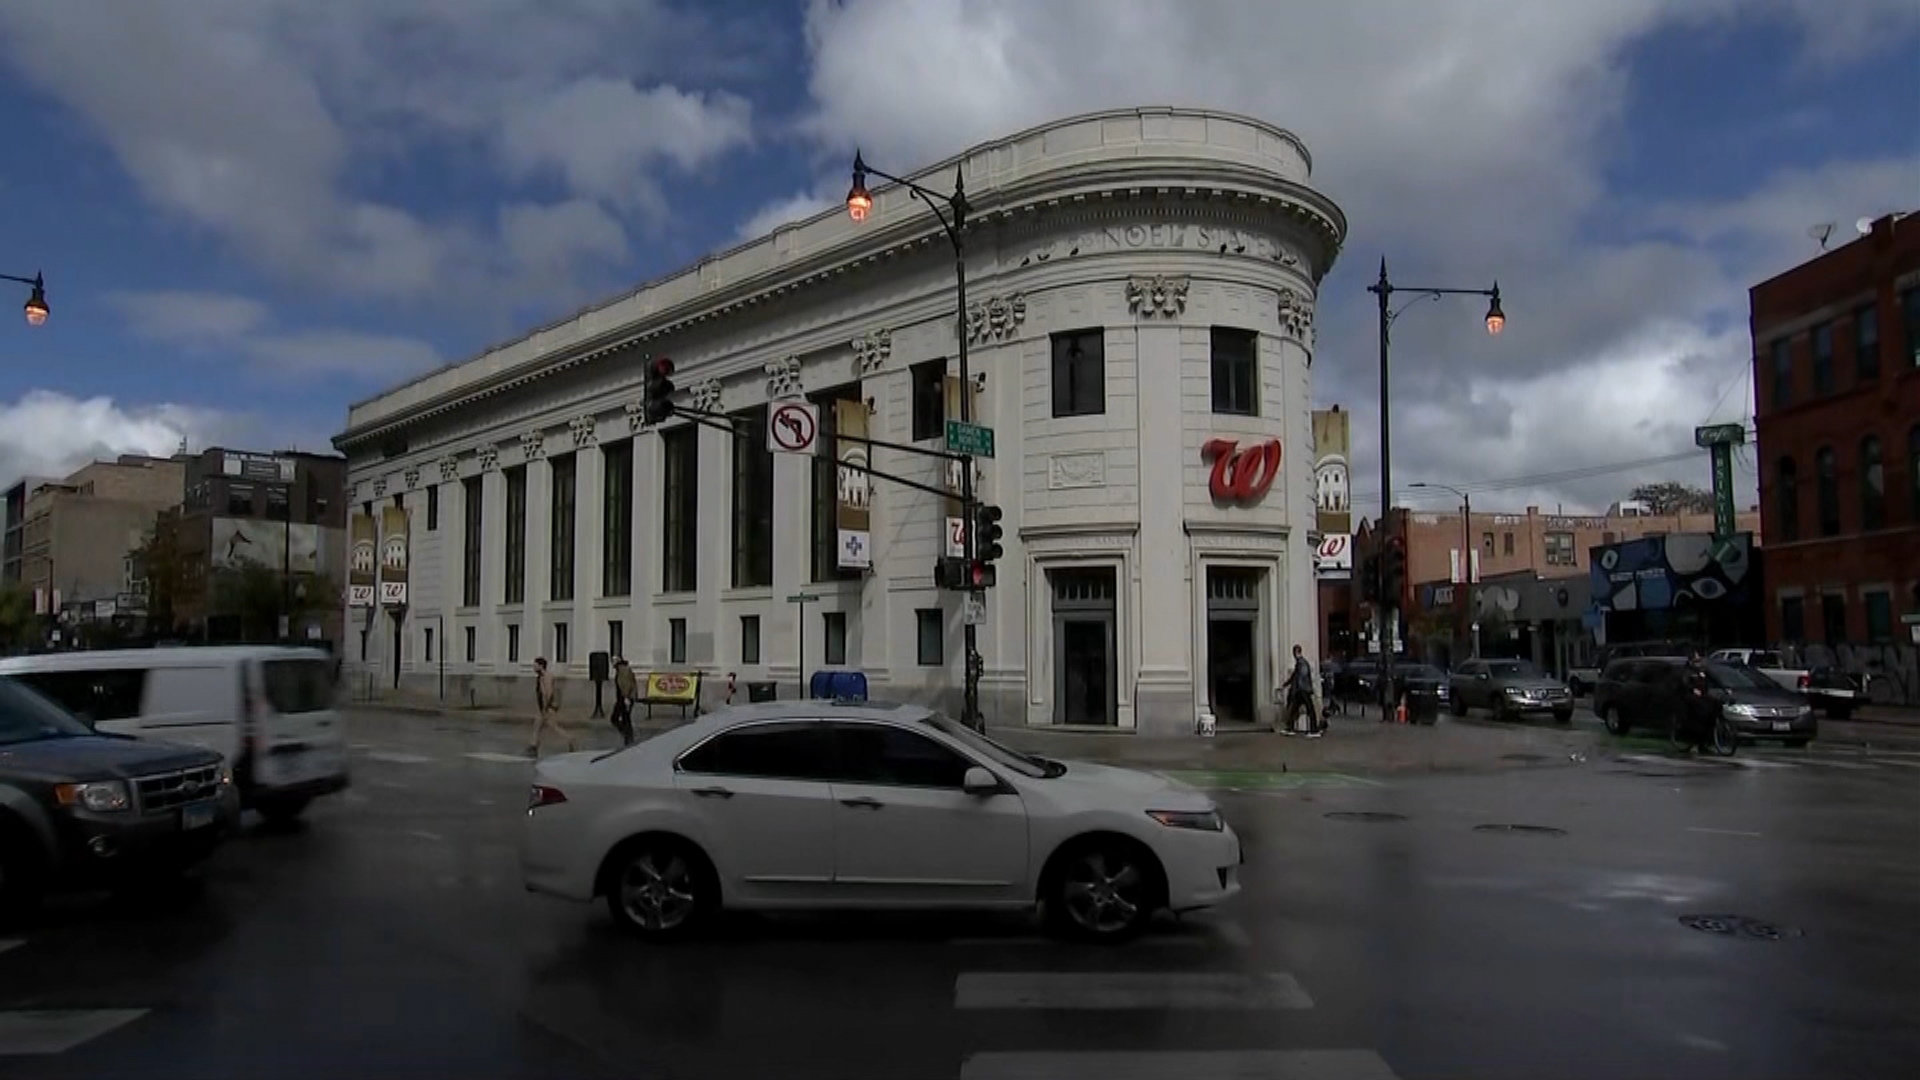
(362, 560)
(1332, 437)
(955, 479)
(855, 485)
(393, 556)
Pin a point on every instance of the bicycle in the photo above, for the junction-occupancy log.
(1722, 740)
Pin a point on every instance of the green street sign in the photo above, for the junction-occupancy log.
(964, 438)
(1719, 435)
(803, 598)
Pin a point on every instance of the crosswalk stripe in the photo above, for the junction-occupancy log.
(55, 1031)
(1128, 990)
(1191, 1065)
(504, 759)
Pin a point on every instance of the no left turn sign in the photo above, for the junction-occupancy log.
(792, 427)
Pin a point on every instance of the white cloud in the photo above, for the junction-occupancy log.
(47, 434)
(1465, 142)
(223, 325)
(553, 239)
(796, 207)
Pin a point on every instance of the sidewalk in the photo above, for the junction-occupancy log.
(1905, 716)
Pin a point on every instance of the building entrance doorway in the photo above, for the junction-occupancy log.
(1233, 612)
(1085, 653)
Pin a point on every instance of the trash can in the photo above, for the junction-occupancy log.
(763, 691)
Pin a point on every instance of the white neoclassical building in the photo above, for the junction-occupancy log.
(1140, 317)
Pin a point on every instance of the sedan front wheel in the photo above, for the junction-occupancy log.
(1104, 890)
(660, 888)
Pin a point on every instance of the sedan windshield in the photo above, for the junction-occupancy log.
(1739, 677)
(1024, 764)
(25, 716)
(1514, 669)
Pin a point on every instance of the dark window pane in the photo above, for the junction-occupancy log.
(1910, 322)
(826, 487)
(1828, 480)
(433, 508)
(1879, 618)
(616, 566)
(1822, 343)
(92, 696)
(1236, 370)
(566, 482)
(680, 509)
(1833, 618)
(929, 400)
(1866, 343)
(834, 650)
(473, 496)
(752, 501)
(1913, 473)
(676, 641)
(749, 639)
(1786, 494)
(1782, 373)
(930, 631)
(799, 751)
(1873, 485)
(516, 560)
(1079, 373)
(1793, 618)
(881, 754)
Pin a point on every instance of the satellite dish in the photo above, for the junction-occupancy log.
(1864, 226)
(1820, 233)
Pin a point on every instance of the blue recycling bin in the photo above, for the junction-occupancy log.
(838, 685)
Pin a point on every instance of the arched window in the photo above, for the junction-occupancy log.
(1873, 485)
(1786, 499)
(1827, 481)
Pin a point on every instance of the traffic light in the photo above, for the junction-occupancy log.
(657, 401)
(987, 533)
(982, 574)
(950, 573)
(1393, 571)
(1370, 579)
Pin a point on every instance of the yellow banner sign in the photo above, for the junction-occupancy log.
(672, 688)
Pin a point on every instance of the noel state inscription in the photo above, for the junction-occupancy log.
(1168, 237)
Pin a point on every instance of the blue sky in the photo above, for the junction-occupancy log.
(251, 212)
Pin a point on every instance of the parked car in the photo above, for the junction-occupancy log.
(268, 710)
(81, 809)
(818, 804)
(1649, 692)
(1582, 679)
(1825, 688)
(1511, 689)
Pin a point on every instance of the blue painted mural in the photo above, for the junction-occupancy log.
(1681, 570)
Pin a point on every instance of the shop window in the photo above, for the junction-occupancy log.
(826, 483)
(1236, 372)
(930, 626)
(1866, 343)
(929, 400)
(1079, 373)
(1786, 499)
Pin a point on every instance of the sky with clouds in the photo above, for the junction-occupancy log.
(251, 212)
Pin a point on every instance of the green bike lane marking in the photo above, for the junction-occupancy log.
(1249, 780)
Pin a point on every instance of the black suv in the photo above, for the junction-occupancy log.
(80, 809)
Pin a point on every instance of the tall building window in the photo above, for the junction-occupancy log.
(1236, 372)
(929, 400)
(752, 501)
(516, 560)
(1873, 485)
(826, 487)
(680, 509)
(562, 643)
(560, 531)
(833, 649)
(1793, 619)
(616, 551)
(1827, 481)
(433, 507)
(1782, 373)
(472, 495)
(1822, 341)
(1866, 343)
(1079, 373)
(1833, 618)
(1786, 499)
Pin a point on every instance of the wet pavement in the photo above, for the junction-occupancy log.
(1384, 931)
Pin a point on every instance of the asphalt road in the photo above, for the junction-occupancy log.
(391, 936)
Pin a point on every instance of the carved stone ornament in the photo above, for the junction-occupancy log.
(489, 458)
(783, 377)
(380, 487)
(1161, 296)
(582, 429)
(706, 395)
(1296, 316)
(413, 478)
(449, 468)
(870, 353)
(996, 318)
(533, 444)
(636, 416)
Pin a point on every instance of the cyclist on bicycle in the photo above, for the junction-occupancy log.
(1699, 709)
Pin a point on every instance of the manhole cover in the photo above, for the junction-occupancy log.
(1738, 926)
(1530, 830)
(1364, 815)
(1523, 757)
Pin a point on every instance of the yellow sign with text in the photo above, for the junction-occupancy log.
(672, 688)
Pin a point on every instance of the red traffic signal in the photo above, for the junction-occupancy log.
(982, 574)
(663, 367)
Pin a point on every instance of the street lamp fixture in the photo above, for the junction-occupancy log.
(859, 202)
(1496, 319)
(36, 307)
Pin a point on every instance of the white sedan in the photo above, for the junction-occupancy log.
(818, 805)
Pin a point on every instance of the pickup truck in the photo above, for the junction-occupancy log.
(1581, 680)
(1835, 696)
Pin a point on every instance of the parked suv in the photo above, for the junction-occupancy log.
(1649, 692)
(80, 809)
(1511, 689)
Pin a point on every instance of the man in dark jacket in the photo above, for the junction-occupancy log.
(1300, 696)
(1698, 707)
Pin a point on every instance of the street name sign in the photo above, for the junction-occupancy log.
(965, 438)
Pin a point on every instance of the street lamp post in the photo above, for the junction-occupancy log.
(36, 307)
(1466, 564)
(1384, 613)
(953, 219)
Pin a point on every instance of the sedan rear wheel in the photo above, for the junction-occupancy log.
(1105, 891)
(659, 889)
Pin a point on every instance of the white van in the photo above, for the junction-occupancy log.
(269, 710)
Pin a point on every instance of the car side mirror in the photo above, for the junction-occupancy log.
(979, 781)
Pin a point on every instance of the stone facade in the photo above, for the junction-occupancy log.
(1159, 230)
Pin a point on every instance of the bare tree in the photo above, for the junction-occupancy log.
(1673, 497)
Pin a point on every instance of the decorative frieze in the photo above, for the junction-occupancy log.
(996, 318)
(870, 353)
(412, 477)
(706, 394)
(533, 445)
(380, 487)
(1067, 471)
(449, 469)
(636, 416)
(783, 378)
(1296, 316)
(489, 457)
(1163, 296)
(582, 430)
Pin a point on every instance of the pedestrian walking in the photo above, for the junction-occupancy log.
(547, 708)
(1300, 697)
(626, 690)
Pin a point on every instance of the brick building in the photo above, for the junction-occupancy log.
(75, 533)
(1836, 371)
(1547, 545)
